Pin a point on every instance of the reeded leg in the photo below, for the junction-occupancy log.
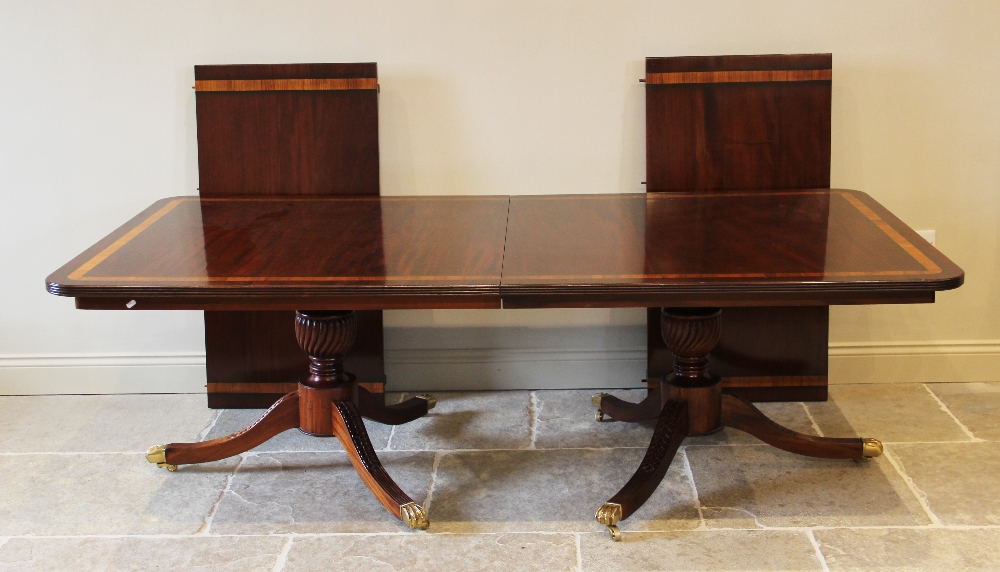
(327, 407)
(350, 430)
(372, 406)
(671, 429)
(741, 414)
(282, 416)
(621, 410)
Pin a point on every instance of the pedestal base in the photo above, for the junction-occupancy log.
(328, 402)
(690, 401)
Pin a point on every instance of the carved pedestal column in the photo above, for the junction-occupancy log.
(692, 333)
(325, 337)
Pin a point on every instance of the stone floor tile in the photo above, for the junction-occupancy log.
(479, 420)
(105, 494)
(275, 493)
(830, 420)
(714, 550)
(428, 551)
(743, 486)
(894, 413)
(976, 405)
(910, 550)
(237, 554)
(99, 423)
(959, 479)
(554, 489)
(566, 419)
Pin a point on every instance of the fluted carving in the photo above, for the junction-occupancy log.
(326, 336)
(691, 333)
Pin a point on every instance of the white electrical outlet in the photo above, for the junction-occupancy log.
(927, 235)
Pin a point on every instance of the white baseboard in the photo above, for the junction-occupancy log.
(468, 369)
(915, 362)
(96, 374)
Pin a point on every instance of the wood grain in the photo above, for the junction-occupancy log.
(602, 249)
(398, 248)
(764, 353)
(740, 414)
(350, 430)
(738, 76)
(719, 136)
(671, 429)
(333, 84)
(621, 410)
(282, 416)
(675, 249)
(255, 143)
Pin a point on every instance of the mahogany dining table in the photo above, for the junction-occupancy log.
(691, 254)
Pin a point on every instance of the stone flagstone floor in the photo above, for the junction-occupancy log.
(511, 481)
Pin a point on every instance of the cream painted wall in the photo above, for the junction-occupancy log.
(510, 97)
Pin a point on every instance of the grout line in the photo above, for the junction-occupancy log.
(392, 430)
(215, 419)
(388, 442)
(430, 485)
(819, 552)
(921, 495)
(282, 559)
(204, 530)
(812, 419)
(533, 409)
(579, 552)
(694, 488)
(952, 415)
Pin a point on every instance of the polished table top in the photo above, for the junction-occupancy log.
(644, 250)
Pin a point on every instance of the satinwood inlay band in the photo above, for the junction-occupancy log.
(758, 76)
(330, 84)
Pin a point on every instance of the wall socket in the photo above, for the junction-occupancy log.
(927, 235)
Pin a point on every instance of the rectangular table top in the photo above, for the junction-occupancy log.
(656, 249)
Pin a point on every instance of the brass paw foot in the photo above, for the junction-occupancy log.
(413, 514)
(599, 415)
(430, 399)
(872, 448)
(158, 454)
(609, 514)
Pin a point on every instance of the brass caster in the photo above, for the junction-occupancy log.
(413, 515)
(430, 399)
(158, 454)
(599, 416)
(596, 399)
(872, 448)
(609, 514)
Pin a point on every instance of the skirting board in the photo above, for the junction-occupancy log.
(472, 369)
(915, 362)
(97, 374)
